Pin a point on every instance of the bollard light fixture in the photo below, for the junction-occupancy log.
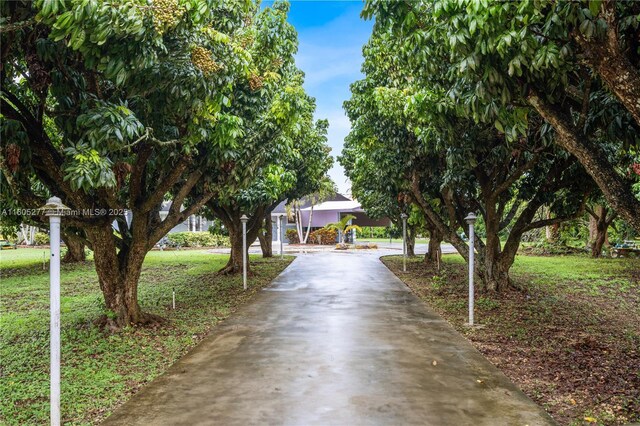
(282, 233)
(54, 210)
(471, 220)
(244, 219)
(404, 217)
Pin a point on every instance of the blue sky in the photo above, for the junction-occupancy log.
(331, 35)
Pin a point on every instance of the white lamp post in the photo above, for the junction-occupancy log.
(404, 217)
(471, 220)
(282, 233)
(54, 209)
(244, 220)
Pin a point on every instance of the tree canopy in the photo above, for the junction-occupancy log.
(575, 64)
(117, 108)
(449, 152)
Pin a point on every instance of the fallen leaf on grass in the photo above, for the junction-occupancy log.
(590, 419)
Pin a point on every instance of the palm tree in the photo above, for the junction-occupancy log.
(343, 226)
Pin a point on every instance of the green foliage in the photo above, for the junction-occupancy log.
(41, 238)
(323, 236)
(374, 232)
(284, 153)
(502, 63)
(198, 239)
(292, 236)
(126, 107)
(217, 228)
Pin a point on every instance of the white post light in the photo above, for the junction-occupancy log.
(404, 241)
(54, 209)
(471, 220)
(281, 228)
(244, 220)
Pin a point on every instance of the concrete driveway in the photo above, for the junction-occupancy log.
(336, 340)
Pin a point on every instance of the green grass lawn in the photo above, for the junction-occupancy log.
(569, 336)
(101, 370)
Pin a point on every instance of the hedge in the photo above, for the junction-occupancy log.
(198, 239)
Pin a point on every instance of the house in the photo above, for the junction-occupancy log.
(329, 211)
(192, 224)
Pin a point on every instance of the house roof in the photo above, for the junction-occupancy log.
(343, 206)
(306, 204)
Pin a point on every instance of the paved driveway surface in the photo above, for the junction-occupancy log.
(336, 340)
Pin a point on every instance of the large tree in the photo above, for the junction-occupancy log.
(283, 148)
(136, 96)
(575, 63)
(417, 137)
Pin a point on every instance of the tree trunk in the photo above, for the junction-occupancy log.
(75, 247)
(614, 187)
(231, 219)
(234, 264)
(494, 273)
(434, 253)
(306, 236)
(601, 230)
(118, 274)
(266, 238)
(593, 230)
(554, 233)
(606, 58)
(411, 241)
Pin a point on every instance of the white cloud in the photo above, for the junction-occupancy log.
(331, 57)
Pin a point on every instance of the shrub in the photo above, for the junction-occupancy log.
(41, 238)
(197, 239)
(323, 236)
(292, 236)
(366, 246)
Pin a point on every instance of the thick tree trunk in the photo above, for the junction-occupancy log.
(118, 274)
(266, 238)
(231, 220)
(494, 273)
(434, 253)
(598, 242)
(234, 264)
(75, 248)
(495, 264)
(614, 187)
